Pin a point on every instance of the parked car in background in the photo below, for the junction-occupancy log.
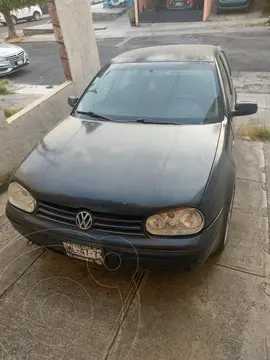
(12, 58)
(230, 5)
(143, 169)
(184, 4)
(117, 3)
(27, 13)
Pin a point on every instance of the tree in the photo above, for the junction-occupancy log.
(6, 6)
(59, 38)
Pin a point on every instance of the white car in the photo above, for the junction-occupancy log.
(12, 58)
(27, 13)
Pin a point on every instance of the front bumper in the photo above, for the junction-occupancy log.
(156, 253)
(7, 68)
(233, 5)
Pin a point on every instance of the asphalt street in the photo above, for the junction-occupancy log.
(246, 52)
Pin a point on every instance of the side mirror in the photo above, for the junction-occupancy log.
(242, 109)
(72, 100)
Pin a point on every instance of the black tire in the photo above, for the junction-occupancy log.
(13, 19)
(36, 16)
(221, 246)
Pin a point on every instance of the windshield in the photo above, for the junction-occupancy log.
(180, 93)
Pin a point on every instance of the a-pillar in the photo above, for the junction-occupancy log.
(76, 23)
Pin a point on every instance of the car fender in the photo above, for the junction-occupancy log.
(221, 182)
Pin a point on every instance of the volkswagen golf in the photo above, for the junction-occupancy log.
(142, 171)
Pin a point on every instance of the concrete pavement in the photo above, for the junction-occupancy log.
(23, 95)
(262, 117)
(120, 28)
(55, 307)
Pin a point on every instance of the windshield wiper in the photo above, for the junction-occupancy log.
(94, 115)
(151, 121)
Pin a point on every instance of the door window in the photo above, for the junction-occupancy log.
(225, 62)
(226, 83)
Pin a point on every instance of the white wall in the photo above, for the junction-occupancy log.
(22, 131)
(76, 22)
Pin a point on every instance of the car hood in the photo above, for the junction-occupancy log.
(8, 49)
(118, 167)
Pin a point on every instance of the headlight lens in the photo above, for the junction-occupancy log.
(21, 198)
(185, 221)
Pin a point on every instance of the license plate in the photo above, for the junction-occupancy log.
(84, 252)
(20, 62)
(179, 3)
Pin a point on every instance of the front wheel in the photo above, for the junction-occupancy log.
(221, 246)
(36, 16)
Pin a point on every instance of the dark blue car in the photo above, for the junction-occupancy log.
(142, 172)
(231, 5)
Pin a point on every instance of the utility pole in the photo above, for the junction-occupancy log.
(59, 39)
(77, 36)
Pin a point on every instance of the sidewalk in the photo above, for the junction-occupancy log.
(99, 15)
(23, 95)
(120, 28)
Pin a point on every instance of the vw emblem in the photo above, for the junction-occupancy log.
(84, 220)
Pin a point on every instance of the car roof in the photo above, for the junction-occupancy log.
(169, 53)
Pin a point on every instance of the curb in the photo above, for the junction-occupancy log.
(97, 17)
(30, 32)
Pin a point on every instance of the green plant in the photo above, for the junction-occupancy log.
(5, 87)
(249, 132)
(4, 82)
(10, 112)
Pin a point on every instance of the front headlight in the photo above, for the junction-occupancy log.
(19, 197)
(176, 222)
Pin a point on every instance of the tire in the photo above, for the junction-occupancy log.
(13, 19)
(221, 246)
(36, 16)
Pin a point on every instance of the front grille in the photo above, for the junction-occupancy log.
(14, 58)
(3, 68)
(116, 224)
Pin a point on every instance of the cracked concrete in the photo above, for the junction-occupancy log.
(59, 308)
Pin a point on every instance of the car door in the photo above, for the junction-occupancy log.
(229, 93)
(26, 13)
(21, 13)
(226, 64)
